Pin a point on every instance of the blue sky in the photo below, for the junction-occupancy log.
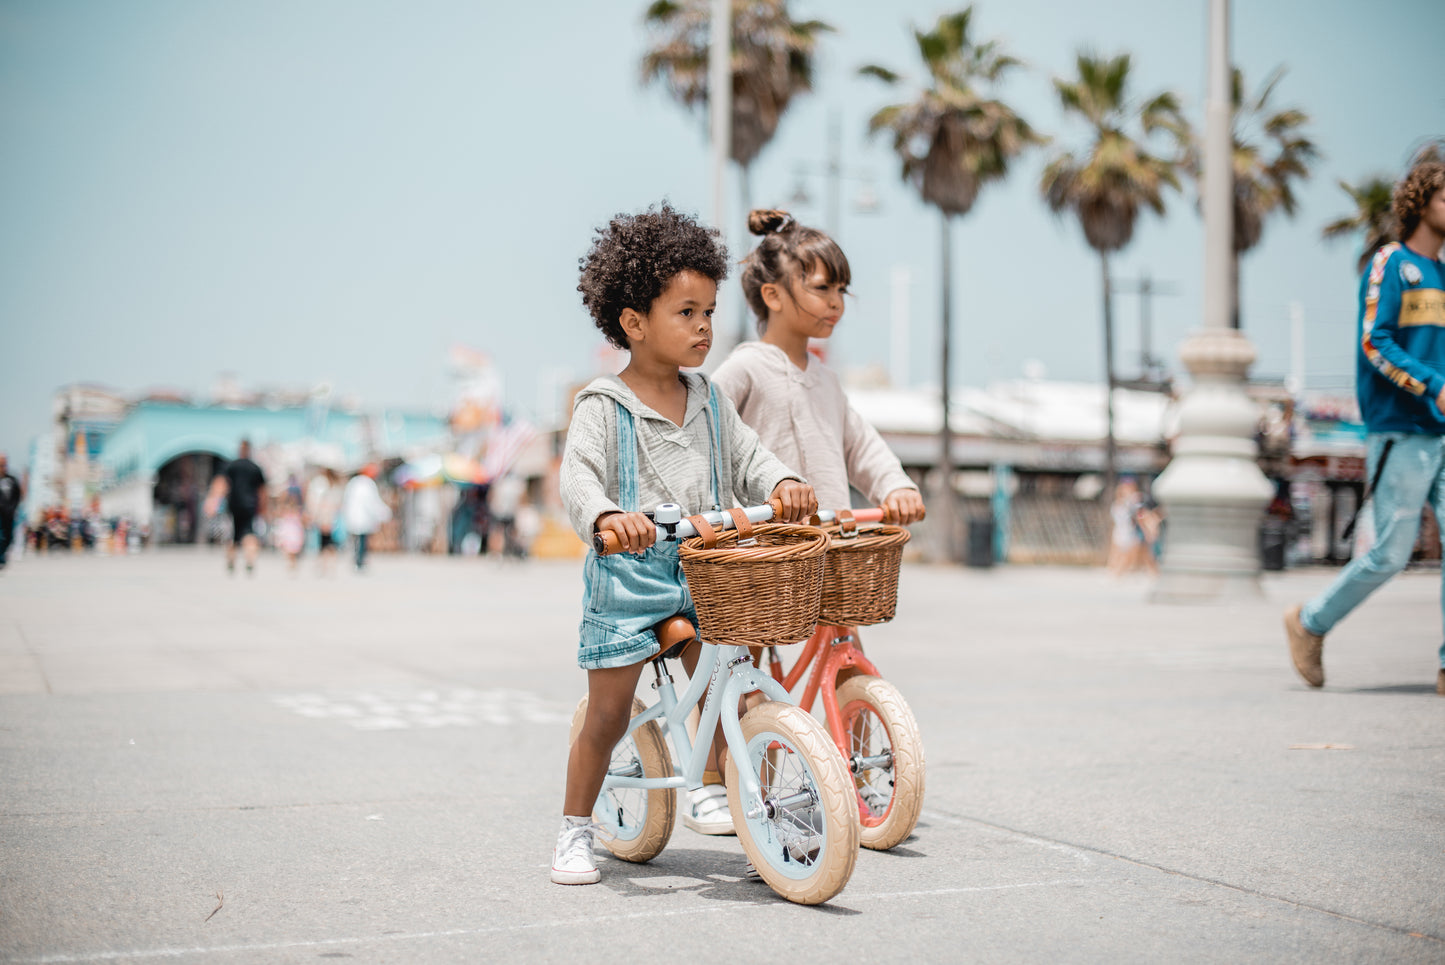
(338, 190)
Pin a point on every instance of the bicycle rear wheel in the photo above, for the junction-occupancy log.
(638, 822)
(803, 841)
(886, 757)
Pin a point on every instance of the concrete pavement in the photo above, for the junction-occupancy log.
(278, 769)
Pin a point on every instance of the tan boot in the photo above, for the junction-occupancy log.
(1305, 649)
(1440, 682)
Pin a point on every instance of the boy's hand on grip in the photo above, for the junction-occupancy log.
(902, 506)
(634, 532)
(797, 500)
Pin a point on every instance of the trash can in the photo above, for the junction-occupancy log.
(980, 542)
(1272, 533)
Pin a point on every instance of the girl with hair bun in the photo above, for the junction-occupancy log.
(794, 281)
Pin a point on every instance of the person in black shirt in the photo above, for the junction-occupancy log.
(243, 485)
(10, 496)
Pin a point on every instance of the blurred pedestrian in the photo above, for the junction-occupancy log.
(1128, 548)
(291, 530)
(1400, 383)
(503, 500)
(363, 510)
(242, 485)
(323, 508)
(11, 492)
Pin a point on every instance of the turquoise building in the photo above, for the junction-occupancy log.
(157, 462)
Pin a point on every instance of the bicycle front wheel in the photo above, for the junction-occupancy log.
(885, 755)
(803, 838)
(638, 822)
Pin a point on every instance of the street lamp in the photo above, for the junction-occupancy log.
(865, 201)
(1213, 490)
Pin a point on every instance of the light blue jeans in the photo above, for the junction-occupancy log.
(1414, 472)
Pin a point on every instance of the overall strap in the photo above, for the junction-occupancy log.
(714, 434)
(626, 460)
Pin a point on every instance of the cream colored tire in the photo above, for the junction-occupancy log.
(878, 721)
(805, 852)
(638, 822)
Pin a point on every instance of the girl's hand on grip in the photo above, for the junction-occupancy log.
(902, 506)
(797, 500)
(634, 531)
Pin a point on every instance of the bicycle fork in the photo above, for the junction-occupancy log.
(842, 655)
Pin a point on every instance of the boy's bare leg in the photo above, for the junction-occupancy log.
(609, 710)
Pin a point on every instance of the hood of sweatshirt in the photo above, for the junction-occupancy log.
(612, 387)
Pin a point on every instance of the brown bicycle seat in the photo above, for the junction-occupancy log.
(674, 633)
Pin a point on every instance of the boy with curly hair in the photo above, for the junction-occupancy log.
(1400, 382)
(649, 435)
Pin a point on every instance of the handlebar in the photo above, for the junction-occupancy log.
(672, 527)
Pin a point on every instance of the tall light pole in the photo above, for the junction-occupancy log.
(720, 105)
(1213, 491)
(834, 173)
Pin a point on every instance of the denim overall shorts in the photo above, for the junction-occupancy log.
(624, 596)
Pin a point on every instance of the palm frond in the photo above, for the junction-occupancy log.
(772, 62)
(1108, 183)
(880, 72)
(952, 139)
(1266, 170)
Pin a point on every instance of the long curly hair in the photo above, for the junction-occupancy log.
(788, 251)
(1413, 194)
(635, 256)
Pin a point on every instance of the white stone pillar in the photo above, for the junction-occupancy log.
(1213, 492)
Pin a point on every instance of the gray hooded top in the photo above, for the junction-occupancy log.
(673, 461)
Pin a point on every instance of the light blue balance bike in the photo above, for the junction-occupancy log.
(793, 802)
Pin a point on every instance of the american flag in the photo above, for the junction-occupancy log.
(506, 444)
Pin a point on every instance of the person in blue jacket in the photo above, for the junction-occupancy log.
(1400, 383)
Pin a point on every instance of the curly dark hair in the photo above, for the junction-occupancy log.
(634, 257)
(1413, 194)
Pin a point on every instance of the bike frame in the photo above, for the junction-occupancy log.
(733, 675)
(829, 650)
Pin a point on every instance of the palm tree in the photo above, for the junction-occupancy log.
(953, 138)
(1374, 215)
(1270, 152)
(1106, 184)
(772, 62)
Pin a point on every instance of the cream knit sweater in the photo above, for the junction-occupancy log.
(803, 416)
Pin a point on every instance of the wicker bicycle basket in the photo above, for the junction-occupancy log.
(860, 580)
(761, 595)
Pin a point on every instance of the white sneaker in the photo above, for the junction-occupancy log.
(707, 811)
(875, 800)
(572, 861)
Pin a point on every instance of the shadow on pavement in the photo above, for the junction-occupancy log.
(700, 872)
(1395, 689)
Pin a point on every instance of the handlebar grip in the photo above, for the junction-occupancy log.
(605, 543)
(878, 515)
(777, 505)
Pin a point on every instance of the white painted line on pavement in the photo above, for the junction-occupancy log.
(1078, 854)
(198, 950)
(424, 709)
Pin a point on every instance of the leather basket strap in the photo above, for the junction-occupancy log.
(847, 525)
(705, 530)
(744, 526)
